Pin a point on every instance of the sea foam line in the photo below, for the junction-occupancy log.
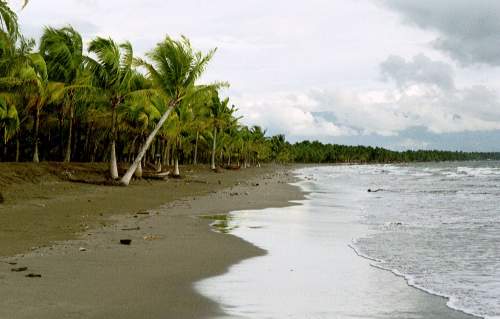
(410, 281)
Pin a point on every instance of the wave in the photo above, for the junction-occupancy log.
(478, 171)
(452, 301)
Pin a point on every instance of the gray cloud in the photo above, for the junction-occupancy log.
(468, 30)
(420, 70)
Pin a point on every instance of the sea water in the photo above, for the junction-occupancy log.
(345, 252)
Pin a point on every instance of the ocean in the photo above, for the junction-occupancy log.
(425, 243)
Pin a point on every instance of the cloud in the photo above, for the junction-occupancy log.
(420, 70)
(424, 96)
(288, 113)
(467, 30)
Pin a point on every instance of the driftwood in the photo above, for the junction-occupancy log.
(157, 176)
(232, 167)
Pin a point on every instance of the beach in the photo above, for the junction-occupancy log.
(178, 266)
(85, 271)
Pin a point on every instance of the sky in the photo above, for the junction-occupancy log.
(401, 74)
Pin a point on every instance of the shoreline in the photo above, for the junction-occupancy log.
(93, 276)
(381, 292)
(447, 299)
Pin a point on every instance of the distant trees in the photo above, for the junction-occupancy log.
(316, 152)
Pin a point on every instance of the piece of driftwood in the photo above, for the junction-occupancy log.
(157, 176)
(232, 167)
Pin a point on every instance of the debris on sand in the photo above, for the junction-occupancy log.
(126, 242)
(33, 276)
(20, 269)
(1, 198)
(83, 249)
(131, 229)
(152, 237)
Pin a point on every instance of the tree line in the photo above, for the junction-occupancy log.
(317, 152)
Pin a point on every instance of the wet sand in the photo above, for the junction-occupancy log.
(90, 275)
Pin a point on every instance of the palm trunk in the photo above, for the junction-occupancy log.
(61, 135)
(94, 151)
(176, 167)
(67, 156)
(169, 153)
(128, 175)
(5, 148)
(18, 148)
(214, 148)
(138, 171)
(113, 166)
(36, 158)
(195, 160)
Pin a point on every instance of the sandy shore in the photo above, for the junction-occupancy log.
(91, 275)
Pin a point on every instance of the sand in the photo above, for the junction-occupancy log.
(85, 271)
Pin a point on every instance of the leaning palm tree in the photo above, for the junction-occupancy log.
(174, 71)
(113, 74)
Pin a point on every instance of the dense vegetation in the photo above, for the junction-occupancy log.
(316, 152)
(62, 102)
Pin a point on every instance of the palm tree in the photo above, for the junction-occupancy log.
(62, 49)
(9, 119)
(114, 75)
(201, 114)
(174, 71)
(220, 115)
(8, 19)
(21, 73)
(258, 144)
(45, 93)
(178, 127)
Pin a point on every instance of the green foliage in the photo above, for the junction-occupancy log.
(316, 152)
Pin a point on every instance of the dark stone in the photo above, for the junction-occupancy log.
(126, 242)
(34, 276)
(1, 198)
